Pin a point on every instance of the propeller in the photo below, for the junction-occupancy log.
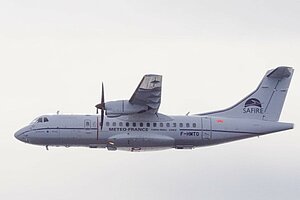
(101, 106)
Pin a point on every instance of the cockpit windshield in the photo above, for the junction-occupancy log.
(39, 120)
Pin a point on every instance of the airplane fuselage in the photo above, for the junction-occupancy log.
(143, 132)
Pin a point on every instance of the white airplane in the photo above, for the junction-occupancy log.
(136, 125)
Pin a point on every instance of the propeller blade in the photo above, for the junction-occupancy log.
(102, 119)
(102, 106)
(102, 97)
(97, 127)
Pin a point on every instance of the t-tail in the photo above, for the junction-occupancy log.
(266, 102)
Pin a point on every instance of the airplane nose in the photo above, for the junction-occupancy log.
(20, 135)
(17, 134)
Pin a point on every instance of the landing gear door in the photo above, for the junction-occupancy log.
(206, 128)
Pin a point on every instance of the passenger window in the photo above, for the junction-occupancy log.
(120, 123)
(40, 120)
(181, 125)
(148, 124)
(161, 124)
(46, 119)
(141, 124)
(154, 124)
(127, 124)
(174, 124)
(134, 124)
(107, 123)
(187, 125)
(114, 123)
(194, 125)
(168, 124)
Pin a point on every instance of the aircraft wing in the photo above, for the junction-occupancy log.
(148, 93)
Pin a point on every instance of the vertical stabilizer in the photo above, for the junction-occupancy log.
(266, 102)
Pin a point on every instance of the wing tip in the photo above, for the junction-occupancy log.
(146, 75)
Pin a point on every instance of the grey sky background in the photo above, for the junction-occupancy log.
(54, 55)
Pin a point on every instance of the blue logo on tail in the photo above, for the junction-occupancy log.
(253, 106)
(253, 102)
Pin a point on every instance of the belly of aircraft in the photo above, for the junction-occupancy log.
(137, 141)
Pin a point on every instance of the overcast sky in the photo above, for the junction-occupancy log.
(55, 54)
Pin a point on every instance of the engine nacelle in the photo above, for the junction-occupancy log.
(123, 107)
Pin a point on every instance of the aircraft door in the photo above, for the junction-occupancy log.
(88, 126)
(206, 128)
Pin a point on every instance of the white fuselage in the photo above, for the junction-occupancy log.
(142, 132)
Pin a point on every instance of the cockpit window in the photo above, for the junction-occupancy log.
(39, 120)
(34, 121)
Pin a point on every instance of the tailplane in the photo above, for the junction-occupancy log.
(266, 102)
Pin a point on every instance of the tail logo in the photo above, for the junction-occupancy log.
(253, 106)
(253, 102)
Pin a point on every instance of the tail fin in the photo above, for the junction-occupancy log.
(266, 102)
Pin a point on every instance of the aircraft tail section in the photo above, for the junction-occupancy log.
(266, 102)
